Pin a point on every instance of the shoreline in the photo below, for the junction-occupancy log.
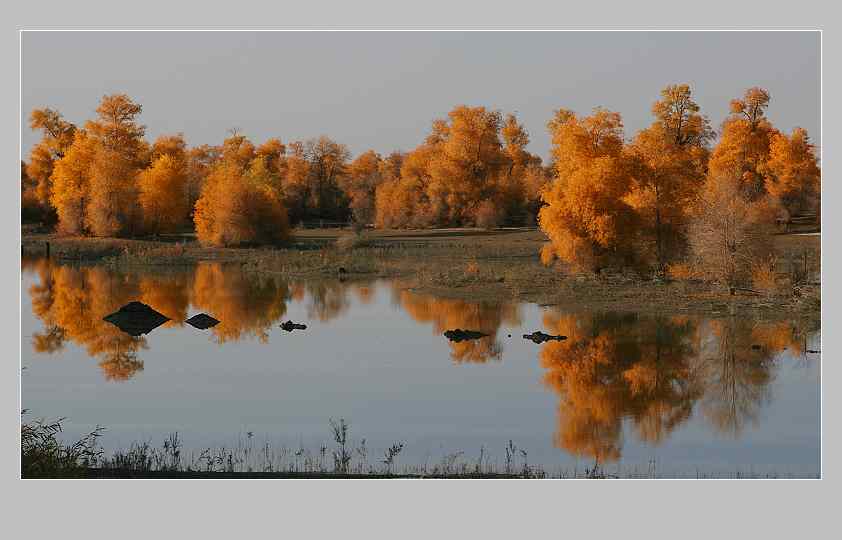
(468, 264)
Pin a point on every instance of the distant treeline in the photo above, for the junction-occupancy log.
(667, 198)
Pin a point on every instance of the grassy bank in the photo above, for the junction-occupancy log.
(466, 263)
(44, 455)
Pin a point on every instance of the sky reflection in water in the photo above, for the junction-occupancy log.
(714, 394)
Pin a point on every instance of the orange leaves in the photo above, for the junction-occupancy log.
(462, 174)
(794, 173)
(240, 202)
(71, 184)
(585, 213)
(163, 194)
(360, 184)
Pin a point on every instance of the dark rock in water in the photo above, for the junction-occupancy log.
(342, 270)
(541, 337)
(136, 318)
(289, 326)
(202, 321)
(458, 335)
(755, 347)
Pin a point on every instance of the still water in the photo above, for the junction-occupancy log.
(679, 393)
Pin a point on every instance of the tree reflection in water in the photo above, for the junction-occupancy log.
(649, 372)
(448, 314)
(615, 374)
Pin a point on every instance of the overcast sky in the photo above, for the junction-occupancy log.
(382, 90)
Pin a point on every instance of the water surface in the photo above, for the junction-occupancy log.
(633, 391)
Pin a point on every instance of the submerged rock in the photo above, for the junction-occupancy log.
(202, 321)
(458, 335)
(289, 326)
(136, 318)
(540, 337)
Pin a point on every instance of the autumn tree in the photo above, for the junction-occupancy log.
(120, 153)
(586, 216)
(403, 201)
(312, 173)
(668, 163)
(360, 183)
(200, 160)
(728, 234)
(163, 194)
(240, 201)
(469, 160)
(56, 138)
(743, 149)
(794, 176)
(517, 185)
(31, 207)
(72, 184)
(469, 171)
(162, 187)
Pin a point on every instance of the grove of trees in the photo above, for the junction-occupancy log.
(666, 195)
(676, 192)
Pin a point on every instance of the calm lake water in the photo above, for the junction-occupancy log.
(712, 395)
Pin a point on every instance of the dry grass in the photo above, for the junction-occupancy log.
(499, 265)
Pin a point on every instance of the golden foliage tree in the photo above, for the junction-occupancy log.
(469, 171)
(121, 151)
(200, 161)
(360, 183)
(794, 175)
(240, 201)
(163, 194)
(57, 136)
(586, 216)
(72, 184)
(669, 162)
(743, 149)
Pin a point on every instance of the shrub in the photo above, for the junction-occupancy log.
(44, 456)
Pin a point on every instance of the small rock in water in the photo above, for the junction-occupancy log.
(289, 326)
(541, 337)
(136, 318)
(202, 321)
(458, 335)
(755, 347)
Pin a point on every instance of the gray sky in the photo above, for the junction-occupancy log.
(382, 90)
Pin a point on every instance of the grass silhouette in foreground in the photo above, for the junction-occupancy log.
(43, 455)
